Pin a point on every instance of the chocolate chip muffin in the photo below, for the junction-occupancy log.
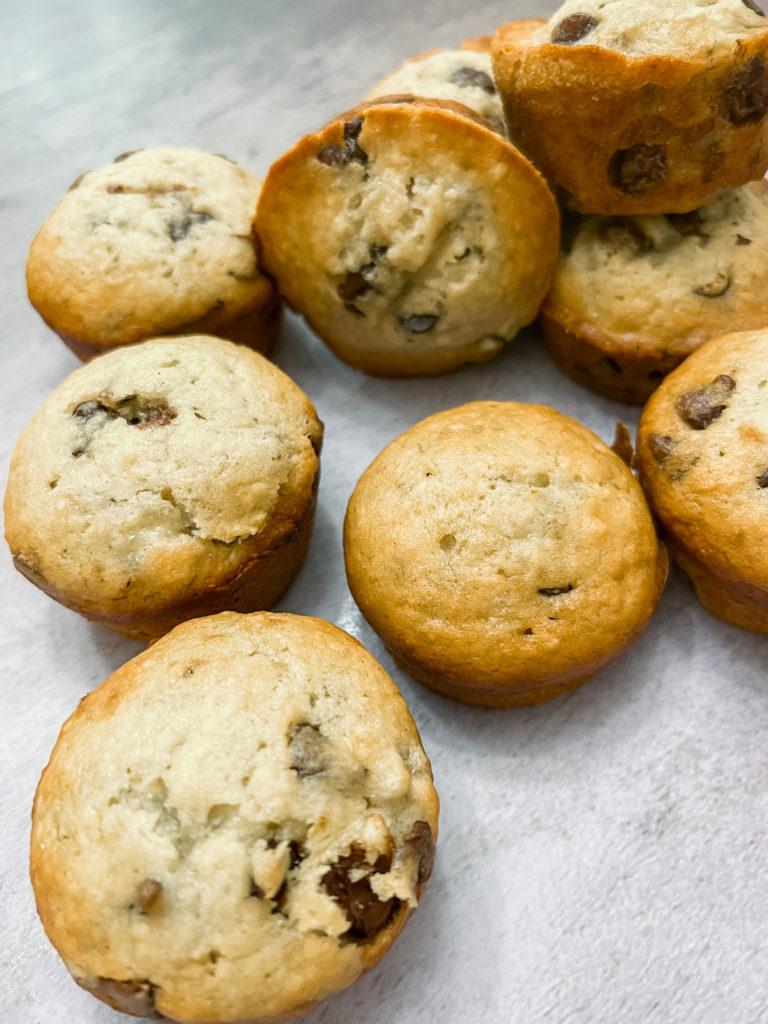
(464, 76)
(502, 552)
(633, 296)
(159, 242)
(163, 481)
(639, 106)
(259, 843)
(702, 447)
(410, 235)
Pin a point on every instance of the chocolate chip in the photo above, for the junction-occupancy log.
(132, 996)
(352, 131)
(753, 7)
(636, 169)
(355, 284)
(621, 231)
(309, 750)
(124, 156)
(135, 411)
(364, 910)
(150, 891)
(762, 480)
(85, 410)
(742, 240)
(153, 416)
(180, 224)
(573, 28)
(332, 155)
(473, 76)
(554, 591)
(746, 97)
(719, 285)
(622, 444)
(420, 842)
(702, 406)
(418, 324)
(686, 223)
(528, 632)
(660, 446)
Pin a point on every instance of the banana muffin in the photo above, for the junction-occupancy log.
(633, 296)
(259, 843)
(502, 552)
(639, 106)
(158, 242)
(410, 235)
(703, 457)
(163, 481)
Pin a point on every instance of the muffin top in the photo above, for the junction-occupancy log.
(145, 475)
(153, 241)
(703, 444)
(464, 76)
(645, 28)
(261, 839)
(502, 544)
(666, 282)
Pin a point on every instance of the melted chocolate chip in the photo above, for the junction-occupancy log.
(135, 411)
(364, 910)
(635, 170)
(660, 446)
(753, 7)
(180, 224)
(555, 591)
(746, 97)
(573, 28)
(355, 284)
(419, 324)
(133, 996)
(622, 443)
(350, 152)
(743, 240)
(150, 892)
(702, 406)
(332, 155)
(621, 231)
(719, 285)
(686, 223)
(762, 480)
(309, 750)
(473, 76)
(420, 842)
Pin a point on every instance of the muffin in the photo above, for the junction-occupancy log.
(502, 552)
(259, 843)
(633, 296)
(157, 243)
(164, 481)
(639, 107)
(410, 235)
(702, 446)
(464, 76)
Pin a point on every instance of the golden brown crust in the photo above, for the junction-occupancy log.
(325, 221)
(585, 113)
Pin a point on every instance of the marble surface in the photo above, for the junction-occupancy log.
(602, 858)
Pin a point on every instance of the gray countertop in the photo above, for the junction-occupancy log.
(602, 858)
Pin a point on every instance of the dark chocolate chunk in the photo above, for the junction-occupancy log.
(150, 892)
(753, 7)
(743, 240)
(762, 480)
(702, 406)
(473, 76)
(180, 224)
(719, 285)
(332, 155)
(309, 750)
(573, 28)
(364, 910)
(638, 168)
(622, 444)
(420, 842)
(622, 231)
(132, 996)
(746, 96)
(419, 324)
(686, 223)
(135, 411)
(555, 591)
(355, 284)
(660, 446)
(350, 152)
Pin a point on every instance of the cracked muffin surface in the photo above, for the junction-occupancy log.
(257, 845)
(165, 480)
(158, 242)
(701, 447)
(410, 235)
(503, 553)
